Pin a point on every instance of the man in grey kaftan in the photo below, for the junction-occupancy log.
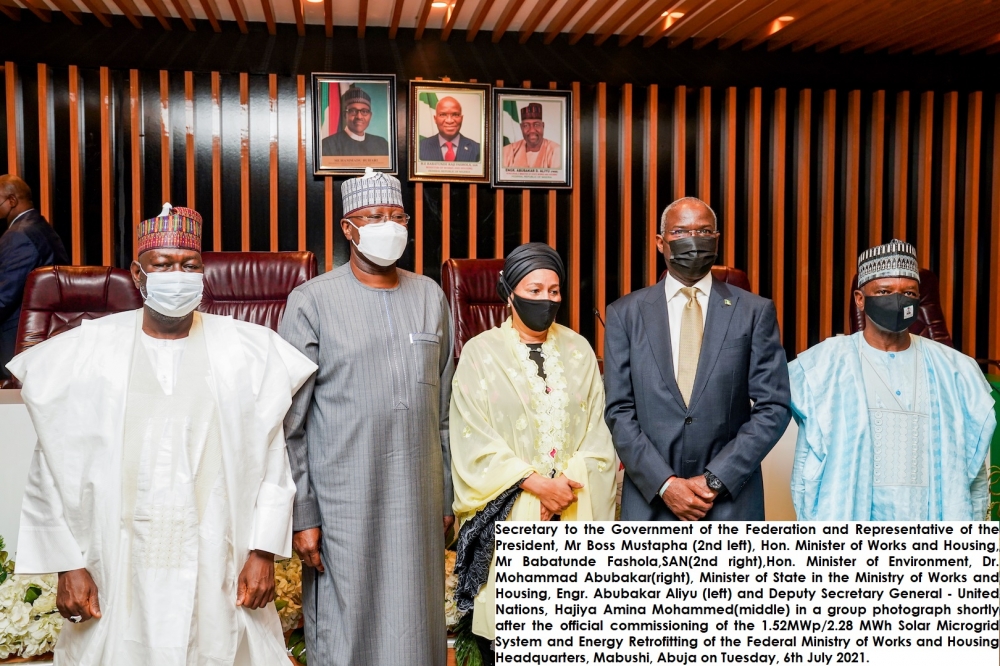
(368, 443)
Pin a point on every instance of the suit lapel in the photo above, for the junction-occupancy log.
(721, 305)
(656, 322)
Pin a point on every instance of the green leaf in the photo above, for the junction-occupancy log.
(466, 647)
(279, 604)
(33, 593)
(3, 575)
(3, 556)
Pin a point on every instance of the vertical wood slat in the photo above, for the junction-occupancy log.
(216, 163)
(924, 164)
(497, 214)
(876, 177)
(753, 188)
(44, 145)
(729, 179)
(574, 222)
(166, 152)
(994, 296)
(75, 175)
(551, 231)
(704, 143)
(827, 193)
(853, 190)
(244, 161)
(418, 223)
(901, 165)
(135, 140)
(600, 214)
(526, 201)
(190, 157)
(328, 223)
(473, 214)
(778, 149)
(949, 154)
(445, 221)
(625, 193)
(300, 94)
(652, 214)
(680, 140)
(107, 172)
(12, 86)
(272, 94)
(803, 156)
(973, 155)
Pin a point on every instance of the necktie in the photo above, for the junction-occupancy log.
(449, 155)
(692, 328)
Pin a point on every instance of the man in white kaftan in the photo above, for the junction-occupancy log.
(160, 489)
(892, 426)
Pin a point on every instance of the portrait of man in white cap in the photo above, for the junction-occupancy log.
(369, 446)
(892, 426)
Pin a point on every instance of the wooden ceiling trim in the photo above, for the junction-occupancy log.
(755, 22)
(237, 13)
(69, 10)
(13, 13)
(452, 18)
(540, 11)
(972, 47)
(130, 12)
(909, 14)
(477, 19)
(859, 14)
(647, 18)
(616, 20)
(588, 20)
(555, 26)
(825, 12)
(362, 17)
(509, 12)
(425, 12)
(913, 27)
(99, 10)
(397, 14)
(689, 24)
(182, 13)
(212, 13)
(977, 28)
(730, 18)
(272, 28)
(161, 14)
(327, 18)
(947, 26)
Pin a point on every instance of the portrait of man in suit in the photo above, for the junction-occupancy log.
(697, 383)
(449, 144)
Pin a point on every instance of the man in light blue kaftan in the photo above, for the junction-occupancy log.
(892, 426)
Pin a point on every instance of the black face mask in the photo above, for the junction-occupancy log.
(536, 315)
(692, 257)
(893, 312)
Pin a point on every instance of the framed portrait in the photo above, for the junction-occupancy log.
(354, 121)
(532, 134)
(449, 131)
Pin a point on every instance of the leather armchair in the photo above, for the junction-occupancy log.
(727, 274)
(470, 285)
(254, 286)
(930, 321)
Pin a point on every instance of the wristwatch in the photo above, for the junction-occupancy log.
(713, 482)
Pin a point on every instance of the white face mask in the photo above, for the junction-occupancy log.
(173, 293)
(382, 242)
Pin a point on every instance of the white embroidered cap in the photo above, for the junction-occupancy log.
(372, 189)
(894, 259)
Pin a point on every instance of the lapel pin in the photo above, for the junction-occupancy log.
(727, 302)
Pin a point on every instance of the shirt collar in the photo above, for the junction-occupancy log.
(443, 141)
(673, 286)
(19, 217)
(354, 136)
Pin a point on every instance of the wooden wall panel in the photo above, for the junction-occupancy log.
(821, 204)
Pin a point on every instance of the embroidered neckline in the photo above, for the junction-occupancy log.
(549, 401)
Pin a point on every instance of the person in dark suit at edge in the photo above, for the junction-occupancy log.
(449, 144)
(29, 242)
(696, 381)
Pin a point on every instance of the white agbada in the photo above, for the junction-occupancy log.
(160, 491)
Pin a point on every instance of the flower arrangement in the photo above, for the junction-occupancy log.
(451, 613)
(288, 587)
(29, 620)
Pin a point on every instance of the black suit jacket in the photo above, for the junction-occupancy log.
(29, 243)
(467, 150)
(657, 436)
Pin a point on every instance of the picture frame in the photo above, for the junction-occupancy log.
(533, 131)
(347, 137)
(449, 132)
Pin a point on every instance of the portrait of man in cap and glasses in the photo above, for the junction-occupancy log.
(355, 126)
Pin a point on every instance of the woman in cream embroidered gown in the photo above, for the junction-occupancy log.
(527, 411)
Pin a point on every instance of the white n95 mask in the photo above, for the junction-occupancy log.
(382, 242)
(173, 293)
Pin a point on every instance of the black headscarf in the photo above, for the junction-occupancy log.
(526, 258)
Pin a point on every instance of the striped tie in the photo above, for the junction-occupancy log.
(692, 328)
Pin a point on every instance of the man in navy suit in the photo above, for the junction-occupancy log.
(696, 381)
(448, 145)
(28, 243)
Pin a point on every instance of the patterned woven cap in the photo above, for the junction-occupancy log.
(531, 112)
(353, 94)
(175, 228)
(372, 189)
(894, 259)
